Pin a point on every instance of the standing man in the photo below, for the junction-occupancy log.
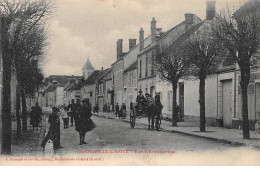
(54, 130)
(73, 108)
(123, 110)
(140, 101)
(117, 109)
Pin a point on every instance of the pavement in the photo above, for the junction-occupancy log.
(221, 134)
(28, 143)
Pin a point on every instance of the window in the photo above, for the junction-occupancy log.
(100, 89)
(152, 65)
(169, 100)
(129, 80)
(140, 70)
(146, 66)
(51, 102)
(239, 90)
(134, 79)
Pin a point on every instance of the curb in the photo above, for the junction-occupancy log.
(194, 135)
(215, 139)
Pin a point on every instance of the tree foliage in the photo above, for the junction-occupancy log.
(23, 45)
(204, 54)
(237, 28)
(172, 65)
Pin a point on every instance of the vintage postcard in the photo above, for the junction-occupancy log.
(130, 82)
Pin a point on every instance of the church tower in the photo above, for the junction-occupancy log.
(88, 69)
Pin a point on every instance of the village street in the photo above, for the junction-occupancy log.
(113, 134)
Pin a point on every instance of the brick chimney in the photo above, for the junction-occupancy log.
(188, 20)
(210, 9)
(132, 43)
(141, 39)
(119, 48)
(153, 31)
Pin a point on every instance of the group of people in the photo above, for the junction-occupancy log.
(121, 113)
(144, 104)
(108, 108)
(79, 113)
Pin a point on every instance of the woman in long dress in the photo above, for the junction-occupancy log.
(84, 122)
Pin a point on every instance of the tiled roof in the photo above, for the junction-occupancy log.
(229, 63)
(104, 73)
(92, 78)
(62, 79)
(186, 34)
(76, 86)
(169, 31)
(49, 89)
(68, 88)
(131, 67)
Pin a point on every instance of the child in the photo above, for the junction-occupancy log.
(65, 117)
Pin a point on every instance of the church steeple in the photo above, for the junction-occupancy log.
(88, 69)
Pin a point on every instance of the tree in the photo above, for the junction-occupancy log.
(238, 29)
(31, 47)
(6, 104)
(18, 16)
(204, 54)
(172, 65)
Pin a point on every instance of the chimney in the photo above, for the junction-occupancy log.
(188, 20)
(119, 48)
(211, 9)
(141, 39)
(102, 68)
(132, 43)
(153, 31)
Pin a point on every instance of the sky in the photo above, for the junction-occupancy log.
(82, 29)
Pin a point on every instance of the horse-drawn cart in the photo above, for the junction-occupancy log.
(153, 114)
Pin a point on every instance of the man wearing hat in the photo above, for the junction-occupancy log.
(83, 120)
(140, 100)
(73, 108)
(54, 130)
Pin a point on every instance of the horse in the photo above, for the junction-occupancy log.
(154, 109)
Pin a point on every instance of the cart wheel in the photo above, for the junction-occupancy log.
(132, 122)
(160, 121)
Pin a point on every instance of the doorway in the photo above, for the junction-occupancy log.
(226, 103)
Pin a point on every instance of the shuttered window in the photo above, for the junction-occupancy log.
(169, 101)
(135, 79)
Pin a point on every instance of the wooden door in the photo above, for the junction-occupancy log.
(226, 104)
